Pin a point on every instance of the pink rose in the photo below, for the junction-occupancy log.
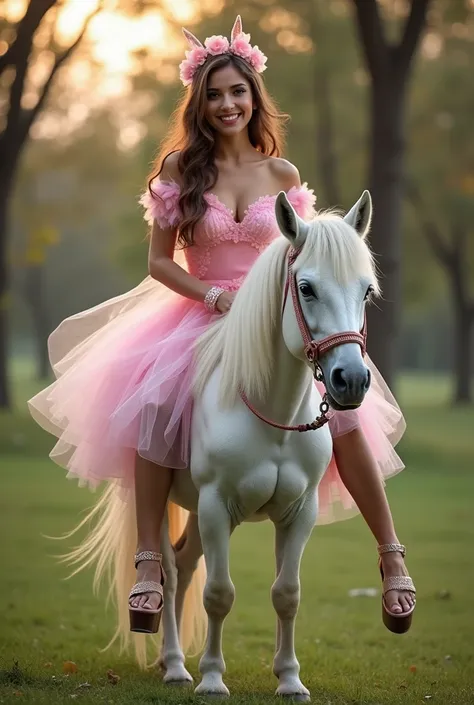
(258, 59)
(217, 45)
(197, 56)
(186, 72)
(241, 46)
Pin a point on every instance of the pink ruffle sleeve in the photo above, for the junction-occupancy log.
(161, 204)
(303, 201)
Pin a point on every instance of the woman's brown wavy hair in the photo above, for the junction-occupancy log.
(192, 136)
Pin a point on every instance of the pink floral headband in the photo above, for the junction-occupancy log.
(216, 45)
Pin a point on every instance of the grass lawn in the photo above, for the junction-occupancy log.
(346, 654)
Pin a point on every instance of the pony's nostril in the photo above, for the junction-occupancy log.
(368, 380)
(338, 379)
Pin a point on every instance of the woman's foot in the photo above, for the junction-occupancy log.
(398, 590)
(397, 601)
(148, 571)
(146, 596)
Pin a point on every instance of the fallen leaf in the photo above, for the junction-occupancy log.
(402, 686)
(48, 664)
(70, 667)
(17, 693)
(112, 677)
(412, 669)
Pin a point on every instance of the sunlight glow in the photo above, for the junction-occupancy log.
(115, 36)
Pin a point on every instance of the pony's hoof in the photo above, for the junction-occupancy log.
(295, 692)
(214, 690)
(177, 676)
(179, 684)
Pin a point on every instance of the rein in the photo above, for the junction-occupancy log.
(313, 351)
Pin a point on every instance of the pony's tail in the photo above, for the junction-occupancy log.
(110, 545)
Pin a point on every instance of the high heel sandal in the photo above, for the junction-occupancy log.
(396, 622)
(145, 620)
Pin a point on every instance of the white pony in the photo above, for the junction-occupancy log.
(300, 314)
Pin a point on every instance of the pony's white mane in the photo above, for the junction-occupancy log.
(243, 342)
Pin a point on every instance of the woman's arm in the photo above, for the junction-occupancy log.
(161, 265)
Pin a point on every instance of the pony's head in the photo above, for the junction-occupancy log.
(334, 277)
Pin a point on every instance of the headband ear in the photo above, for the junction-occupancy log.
(237, 28)
(192, 40)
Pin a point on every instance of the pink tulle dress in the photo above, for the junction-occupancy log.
(124, 367)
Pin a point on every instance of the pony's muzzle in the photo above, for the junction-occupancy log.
(348, 387)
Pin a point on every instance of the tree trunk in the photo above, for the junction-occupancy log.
(5, 401)
(325, 138)
(389, 66)
(386, 184)
(39, 314)
(462, 354)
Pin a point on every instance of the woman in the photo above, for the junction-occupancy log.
(213, 192)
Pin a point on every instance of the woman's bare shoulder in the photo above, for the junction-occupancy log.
(170, 170)
(284, 172)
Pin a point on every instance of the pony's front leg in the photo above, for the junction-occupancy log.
(291, 539)
(172, 657)
(215, 529)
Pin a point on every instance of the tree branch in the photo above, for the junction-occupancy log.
(372, 36)
(22, 49)
(411, 34)
(31, 115)
(26, 29)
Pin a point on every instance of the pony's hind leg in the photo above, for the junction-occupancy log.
(172, 656)
(215, 529)
(188, 551)
(290, 541)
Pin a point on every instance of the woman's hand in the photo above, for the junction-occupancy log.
(224, 302)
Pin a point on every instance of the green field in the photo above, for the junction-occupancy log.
(346, 654)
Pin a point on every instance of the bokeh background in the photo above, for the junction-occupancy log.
(380, 95)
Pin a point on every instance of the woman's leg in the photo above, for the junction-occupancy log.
(152, 486)
(359, 473)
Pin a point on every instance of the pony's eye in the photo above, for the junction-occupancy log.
(307, 290)
(369, 293)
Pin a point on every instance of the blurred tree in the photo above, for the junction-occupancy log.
(40, 239)
(14, 69)
(441, 184)
(75, 191)
(389, 64)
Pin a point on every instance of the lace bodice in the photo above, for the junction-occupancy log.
(224, 249)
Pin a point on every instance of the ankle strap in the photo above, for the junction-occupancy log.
(147, 556)
(391, 548)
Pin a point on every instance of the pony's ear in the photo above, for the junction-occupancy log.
(291, 225)
(360, 215)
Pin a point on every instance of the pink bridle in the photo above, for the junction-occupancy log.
(313, 351)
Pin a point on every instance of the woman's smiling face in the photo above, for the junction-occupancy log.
(230, 103)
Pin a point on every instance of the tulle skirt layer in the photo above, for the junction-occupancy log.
(124, 373)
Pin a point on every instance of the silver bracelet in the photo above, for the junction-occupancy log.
(210, 300)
